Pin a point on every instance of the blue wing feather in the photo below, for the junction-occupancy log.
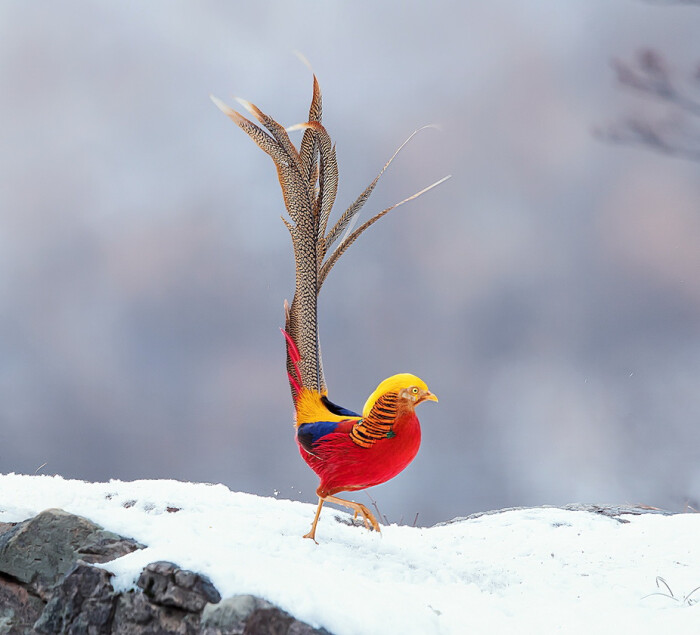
(336, 409)
(308, 434)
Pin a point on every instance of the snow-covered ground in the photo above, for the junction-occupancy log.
(525, 571)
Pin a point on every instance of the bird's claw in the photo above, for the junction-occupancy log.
(312, 535)
(370, 522)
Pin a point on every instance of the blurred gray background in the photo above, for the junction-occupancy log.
(549, 293)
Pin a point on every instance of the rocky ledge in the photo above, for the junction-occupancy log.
(49, 584)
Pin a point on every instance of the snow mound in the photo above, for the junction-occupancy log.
(541, 570)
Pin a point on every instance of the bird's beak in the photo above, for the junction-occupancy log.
(429, 396)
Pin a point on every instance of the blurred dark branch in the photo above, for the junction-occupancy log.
(633, 131)
(650, 76)
(678, 134)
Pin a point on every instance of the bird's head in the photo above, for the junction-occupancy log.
(408, 386)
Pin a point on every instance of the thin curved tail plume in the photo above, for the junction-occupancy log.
(309, 181)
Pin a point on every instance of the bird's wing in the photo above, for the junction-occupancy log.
(309, 434)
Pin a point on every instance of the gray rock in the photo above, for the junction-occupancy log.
(272, 621)
(251, 615)
(168, 585)
(302, 628)
(229, 615)
(42, 550)
(83, 604)
(5, 527)
(18, 608)
(135, 614)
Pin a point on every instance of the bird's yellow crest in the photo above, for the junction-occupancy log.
(393, 384)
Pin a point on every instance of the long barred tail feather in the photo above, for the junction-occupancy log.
(309, 181)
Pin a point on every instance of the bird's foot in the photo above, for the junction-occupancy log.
(369, 520)
(312, 535)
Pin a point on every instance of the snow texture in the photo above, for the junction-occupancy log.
(536, 570)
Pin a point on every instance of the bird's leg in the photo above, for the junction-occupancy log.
(312, 533)
(369, 520)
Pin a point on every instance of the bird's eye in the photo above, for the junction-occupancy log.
(414, 391)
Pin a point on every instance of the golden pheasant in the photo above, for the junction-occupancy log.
(348, 451)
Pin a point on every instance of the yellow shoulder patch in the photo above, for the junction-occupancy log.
(310, 408)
